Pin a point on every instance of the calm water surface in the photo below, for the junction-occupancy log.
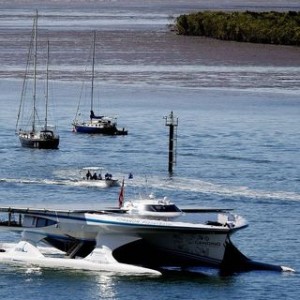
(238, 139)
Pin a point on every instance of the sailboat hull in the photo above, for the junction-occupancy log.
(39, 143)
(99, 130)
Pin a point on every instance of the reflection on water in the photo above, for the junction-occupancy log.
(106, 285)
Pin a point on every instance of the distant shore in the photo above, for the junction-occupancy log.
(280, 28)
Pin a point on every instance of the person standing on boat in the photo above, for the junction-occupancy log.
(88, 175)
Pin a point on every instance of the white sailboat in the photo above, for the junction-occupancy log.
(32, 132)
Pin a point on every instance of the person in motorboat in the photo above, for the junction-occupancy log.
(88, 175)
(108, 176)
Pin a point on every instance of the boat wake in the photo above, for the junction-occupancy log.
(66, 182)
(200, 186)
(167, 184)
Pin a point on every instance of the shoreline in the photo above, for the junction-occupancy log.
(272, 28)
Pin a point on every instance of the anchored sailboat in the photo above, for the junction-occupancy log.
(96, 124)
(36, 134)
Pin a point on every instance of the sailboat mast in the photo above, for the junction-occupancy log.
(93, 72)
(35, 75)
(47, 88)
(29, 55)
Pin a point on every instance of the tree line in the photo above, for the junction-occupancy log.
(282, 28)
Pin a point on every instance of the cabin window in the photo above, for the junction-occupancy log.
(162, 208)
(41, 222)
(33, 221)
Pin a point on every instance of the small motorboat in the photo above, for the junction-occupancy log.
(96, 176)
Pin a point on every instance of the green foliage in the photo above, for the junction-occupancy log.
(255, 27)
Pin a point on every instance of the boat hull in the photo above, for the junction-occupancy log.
(192, 243)
(154, 249)
(174, 249)
(39, 143)
(28, 254)
(176, 243)
(106, 241)
(101, 183)
(99, 130)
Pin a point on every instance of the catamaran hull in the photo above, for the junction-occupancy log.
(233, 261)
(78, 264)
(39, 143)
(175, 249)
(146, 246)
(128, 239)
(110, 240)
(26, 254)
(157, 252)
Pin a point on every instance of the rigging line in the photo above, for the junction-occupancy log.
(35, 71)
(29, 54)
(47, 86)
(93, 71)
(83, 83)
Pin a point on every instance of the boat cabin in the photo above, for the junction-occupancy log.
(152, 208)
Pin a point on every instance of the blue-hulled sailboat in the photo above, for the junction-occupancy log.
(104, 125)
